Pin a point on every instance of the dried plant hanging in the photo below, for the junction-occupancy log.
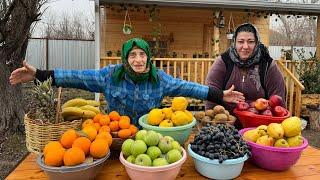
(127, 27)
(231, 29)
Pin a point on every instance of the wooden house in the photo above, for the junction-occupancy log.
(185, 36)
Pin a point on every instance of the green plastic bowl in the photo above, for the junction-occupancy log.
(178, 133)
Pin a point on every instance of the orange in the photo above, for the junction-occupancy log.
(124, 133)
(104, 129)
(73, 156)
(82, 143)
(114, 126)
(54, 157)
(97, 117)
(68, 137)
(51, 146)
(133, 129)
(124, 122)
(106, 136)
(104, 120)
(99, 148)
(114, 116)
(97, 126)
(88, 122)
(91, 132)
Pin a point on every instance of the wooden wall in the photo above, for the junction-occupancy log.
(191, 29)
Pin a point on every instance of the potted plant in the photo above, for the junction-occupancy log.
(109, 53)
(174, 55)
(118, 53)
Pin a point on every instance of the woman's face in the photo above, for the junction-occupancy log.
(137, 59)
(245, 44)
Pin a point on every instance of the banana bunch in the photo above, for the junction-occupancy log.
(79, 108)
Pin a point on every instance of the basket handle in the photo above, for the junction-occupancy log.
(58, 105)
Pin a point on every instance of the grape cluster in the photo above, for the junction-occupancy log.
(220, 142)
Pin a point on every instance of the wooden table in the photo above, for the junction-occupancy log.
(308, 167)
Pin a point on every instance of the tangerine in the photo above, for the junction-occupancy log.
(73, 156)
(99, 148)
(68, 138)
(114, 116)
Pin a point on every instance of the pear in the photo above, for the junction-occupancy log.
(265, 140)
(275, 130)
(291, 126)
(251, 135)
(262, 130)
(281, 143)
(295, 141)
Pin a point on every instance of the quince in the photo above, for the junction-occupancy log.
(190, 115)
(295, 141)
(251, 135)
(167, 112)
(166, 123)
(179, 118)
(155, 117)
(291, 126)
(179, 104)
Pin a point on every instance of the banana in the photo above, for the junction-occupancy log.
(90, 108)
(71, 118)
(88, 114)
(72, 111)
(93, 103)
(75, 102)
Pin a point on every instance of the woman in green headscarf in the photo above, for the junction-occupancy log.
(132, 88)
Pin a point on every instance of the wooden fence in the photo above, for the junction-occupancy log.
(196, 70)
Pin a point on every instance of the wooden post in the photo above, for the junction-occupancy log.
(314, 118)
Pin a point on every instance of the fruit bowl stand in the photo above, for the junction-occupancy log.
(308, 167)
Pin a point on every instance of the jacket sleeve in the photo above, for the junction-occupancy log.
(275, 81)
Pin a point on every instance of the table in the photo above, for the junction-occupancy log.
(308, 167)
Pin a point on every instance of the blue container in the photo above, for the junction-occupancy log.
(178, 133)
(228, 169)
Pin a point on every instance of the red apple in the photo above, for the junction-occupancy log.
(261, 104)
(253, 110)
(242, 106)
(275, 100)
(279, 111)
(267, 112)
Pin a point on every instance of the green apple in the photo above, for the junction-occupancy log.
(160, 135)
(143, 160)
(154, 152)
(138, 147)
(160, 162)
(176, 145)
(174, 155)
(141, 134)
(125, 148)
(169, 137)
(165, 145)
(151, 138)
(131, 159)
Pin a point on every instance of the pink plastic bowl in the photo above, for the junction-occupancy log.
(274, 158)
(155, 173)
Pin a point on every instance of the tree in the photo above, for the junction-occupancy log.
(16, 22)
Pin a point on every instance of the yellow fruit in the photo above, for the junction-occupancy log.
(74, 102)
(281, 143)
(190, 115)
(93, 103)
(275, 130)
(262, 130)
(88, 114)
(82, 143)
(167, 113)
(251, 135)
(179, 118)
(155, 117)
(166, 123)
(179, 104)
(265, 140)
(90, 108)
(72, 111)
(295, 141)
(88, 122)
(291, 126)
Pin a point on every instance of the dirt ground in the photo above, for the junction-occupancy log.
(13, 150)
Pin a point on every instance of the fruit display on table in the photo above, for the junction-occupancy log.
(161, 156)
(218, 114)
(79, 108)
(219, 151)
(276, 147)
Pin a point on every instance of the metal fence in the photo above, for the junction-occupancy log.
(79, 54)
(67, 54)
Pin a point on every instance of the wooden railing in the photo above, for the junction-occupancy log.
(196, 70)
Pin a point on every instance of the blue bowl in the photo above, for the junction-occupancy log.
(178, 133)
(228, 169)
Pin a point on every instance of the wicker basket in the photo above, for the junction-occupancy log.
(39, 134)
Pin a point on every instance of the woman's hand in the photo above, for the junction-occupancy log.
(232, 96)
(21, 75)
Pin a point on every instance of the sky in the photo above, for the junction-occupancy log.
(57, 8)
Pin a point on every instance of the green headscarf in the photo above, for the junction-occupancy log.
(118, 75)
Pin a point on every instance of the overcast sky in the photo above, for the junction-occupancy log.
(57, 8)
